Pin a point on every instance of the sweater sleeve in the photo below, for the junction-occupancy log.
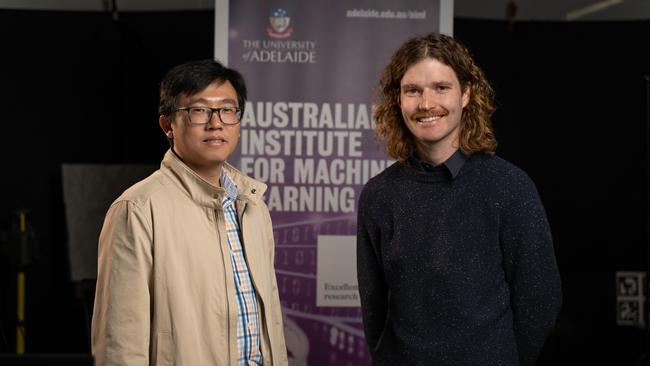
(373, 290)
(530, 268)
(121, 316)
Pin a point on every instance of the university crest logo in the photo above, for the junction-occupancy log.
(279, 23)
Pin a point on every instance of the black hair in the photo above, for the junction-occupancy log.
(191, 77)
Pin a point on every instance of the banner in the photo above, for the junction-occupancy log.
(307, 131)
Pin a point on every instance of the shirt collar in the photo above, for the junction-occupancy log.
(453, 164)
(229, 185)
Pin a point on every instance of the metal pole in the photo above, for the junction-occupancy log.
(20, 296)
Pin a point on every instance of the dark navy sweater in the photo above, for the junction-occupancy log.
(455, 271)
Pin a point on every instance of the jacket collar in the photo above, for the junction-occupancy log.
(204, 193)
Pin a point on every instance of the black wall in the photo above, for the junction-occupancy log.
(82, 88)
(76, 88)
(572, 113)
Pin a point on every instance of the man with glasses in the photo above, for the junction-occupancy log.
(186, 272)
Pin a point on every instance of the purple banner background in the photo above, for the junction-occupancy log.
(310, 80)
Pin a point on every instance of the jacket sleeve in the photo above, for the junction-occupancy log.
(121, 315)
(531, 270)
(373, 290)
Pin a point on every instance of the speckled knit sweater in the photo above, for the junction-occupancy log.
(456, 271)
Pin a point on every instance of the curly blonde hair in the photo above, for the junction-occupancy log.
(476, 134)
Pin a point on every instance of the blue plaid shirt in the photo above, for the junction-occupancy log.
(248, 320)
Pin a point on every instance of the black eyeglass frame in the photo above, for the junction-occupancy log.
(212, 110)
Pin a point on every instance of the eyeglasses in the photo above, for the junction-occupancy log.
(203, 115)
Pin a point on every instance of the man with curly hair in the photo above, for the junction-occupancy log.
(455, 256)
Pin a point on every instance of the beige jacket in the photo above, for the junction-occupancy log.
(165, 292)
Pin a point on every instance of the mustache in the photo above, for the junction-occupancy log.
(430, 113)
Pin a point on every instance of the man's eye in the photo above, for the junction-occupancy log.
(411, 92)
(198, 110)
(228, 110)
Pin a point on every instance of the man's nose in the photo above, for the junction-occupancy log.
(214, 123)
(427, 100)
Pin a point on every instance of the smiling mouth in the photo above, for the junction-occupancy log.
(428, 119)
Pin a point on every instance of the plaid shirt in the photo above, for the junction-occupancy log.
(248, 320)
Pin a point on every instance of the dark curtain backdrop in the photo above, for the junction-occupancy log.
(82, 88)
